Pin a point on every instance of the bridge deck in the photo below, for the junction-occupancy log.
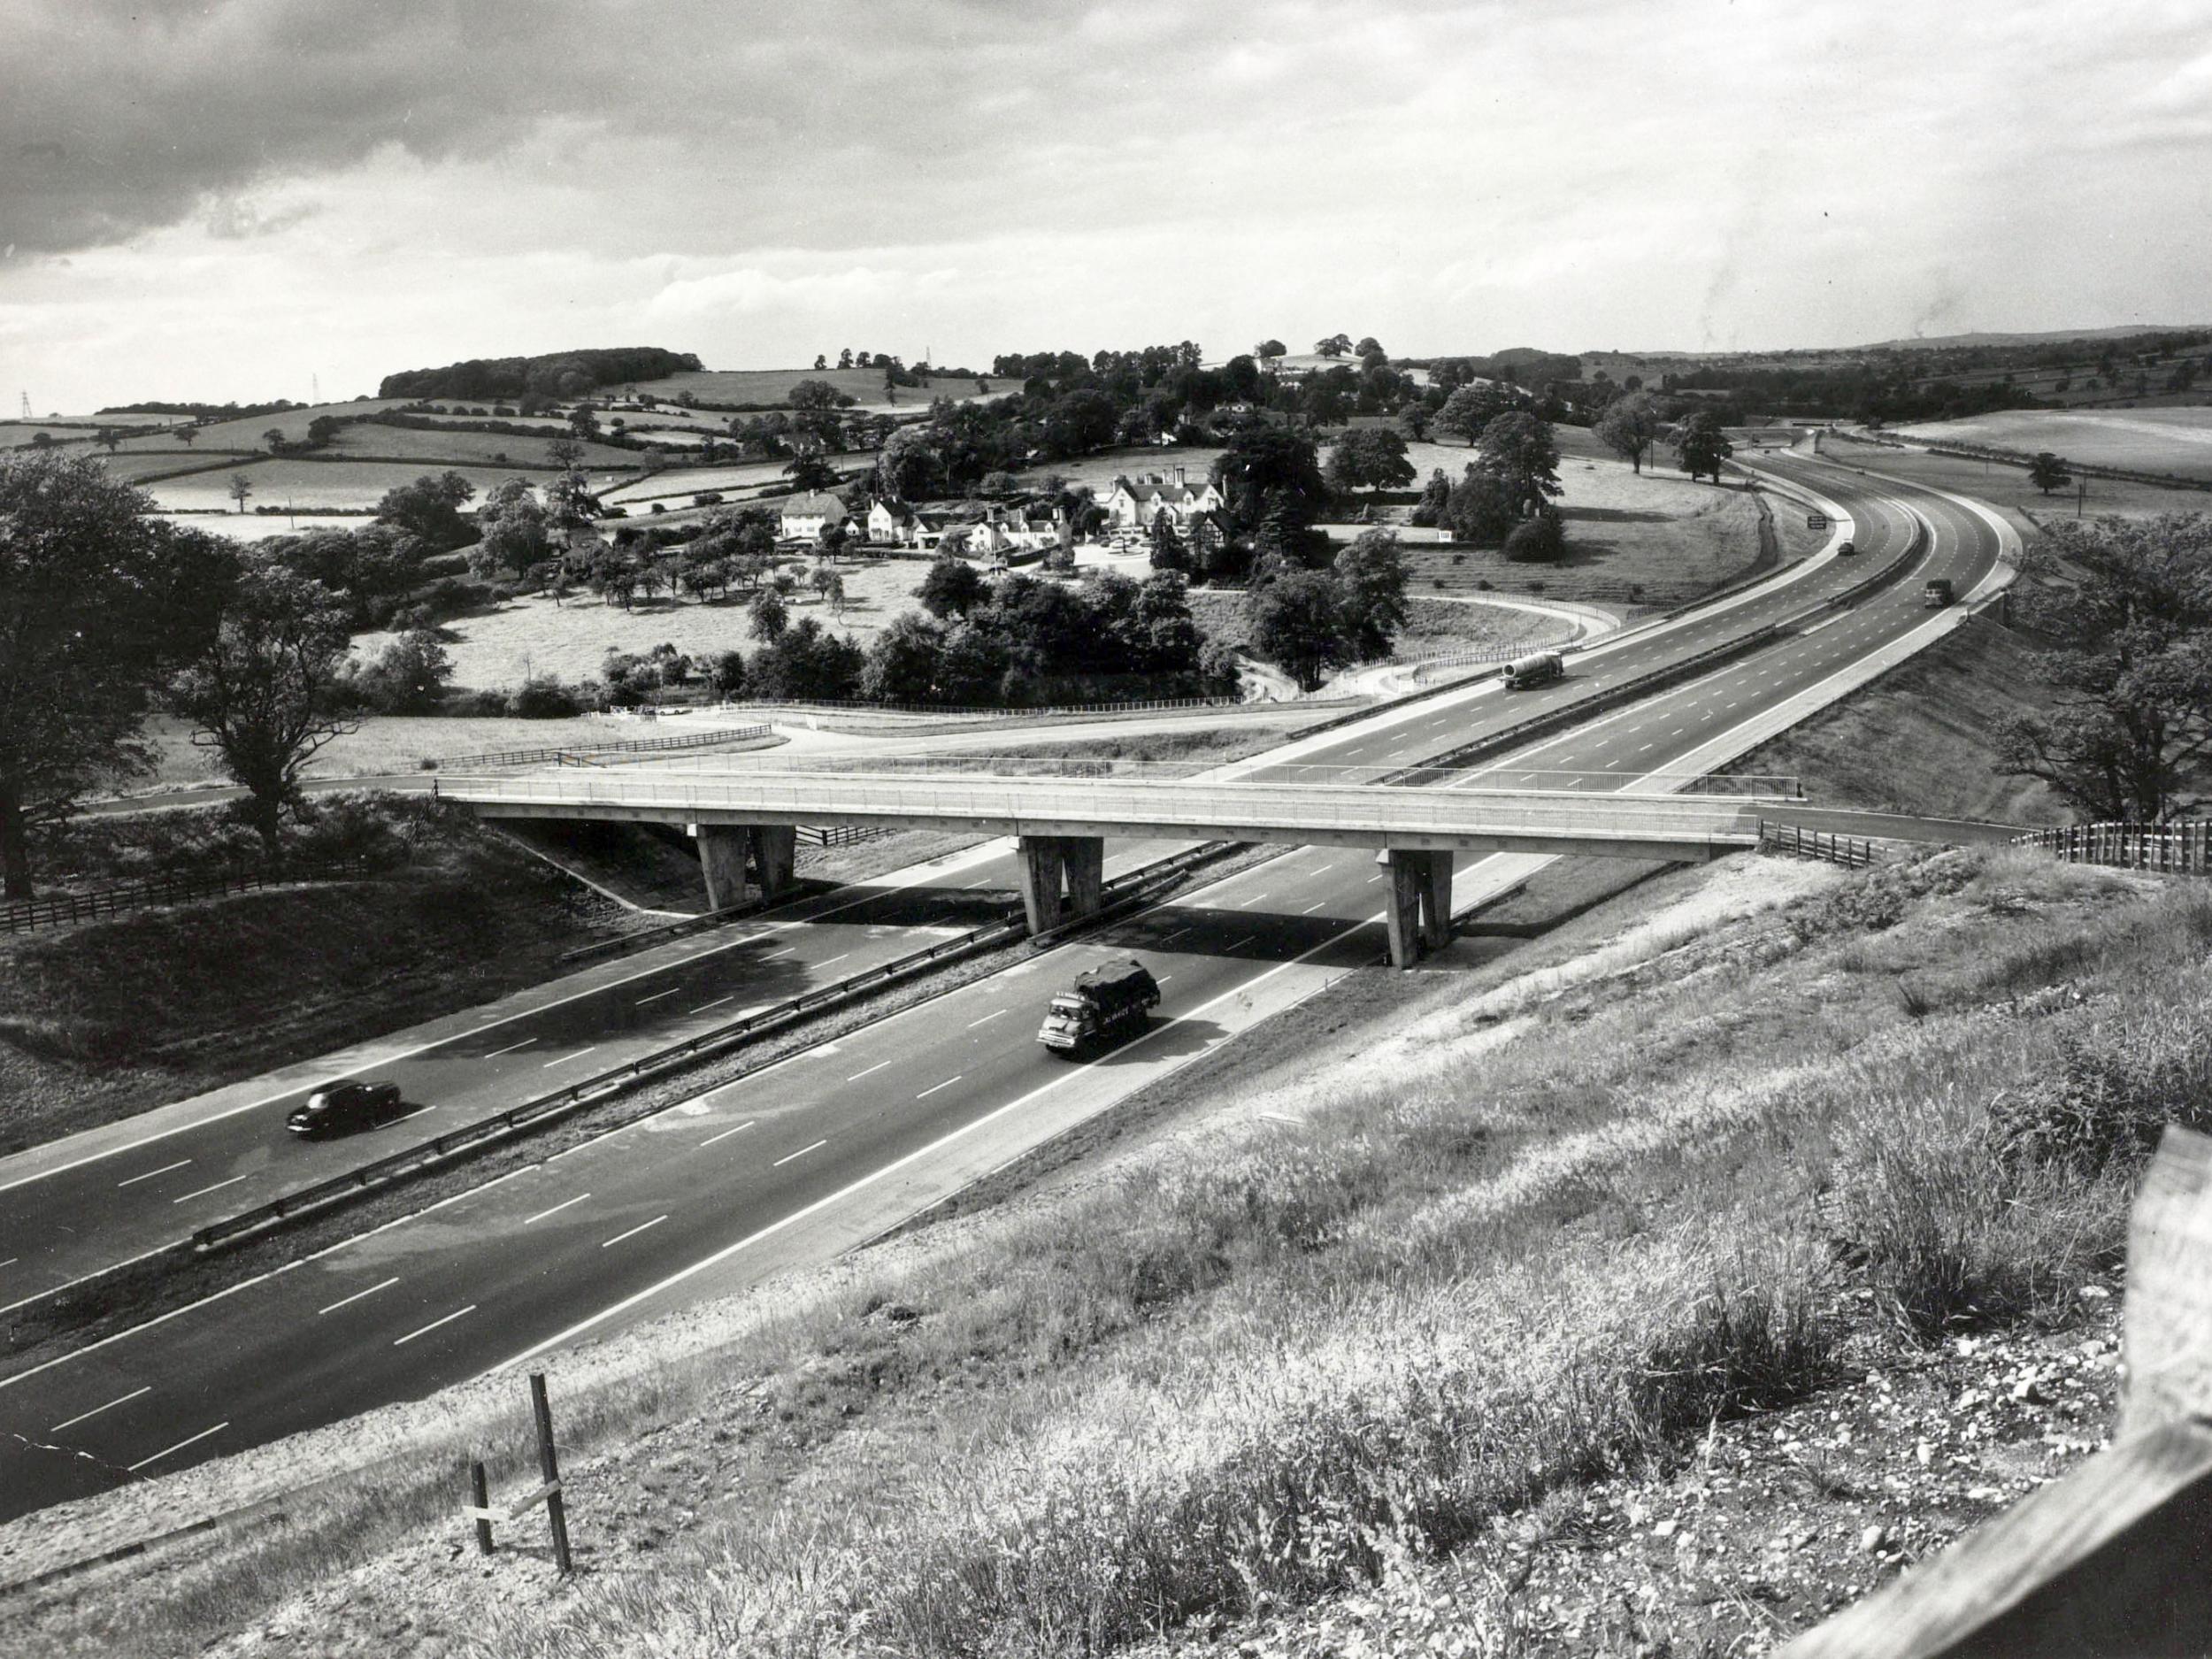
(1617, 825)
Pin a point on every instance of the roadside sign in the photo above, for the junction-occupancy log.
(1816, 521)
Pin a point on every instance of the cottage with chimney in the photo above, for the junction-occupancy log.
(1133, 506)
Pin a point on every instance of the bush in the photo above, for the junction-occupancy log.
(2114, 1090)
(543, 697)
(1537, 541)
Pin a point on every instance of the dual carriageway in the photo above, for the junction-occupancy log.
(831, 1145)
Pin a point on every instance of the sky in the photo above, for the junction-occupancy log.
(246, 199)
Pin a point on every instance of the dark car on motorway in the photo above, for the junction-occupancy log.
(347, 1104)
(1846, 550)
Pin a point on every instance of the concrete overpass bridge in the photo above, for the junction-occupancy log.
(750, 818)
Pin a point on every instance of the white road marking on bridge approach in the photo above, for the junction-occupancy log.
(878, 1066)
(510, 1047)
(987, 1019)
(657, 996)
(933, 1088)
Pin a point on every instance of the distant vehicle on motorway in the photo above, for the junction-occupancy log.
(1846, 550)
(1105, 1004)
(347, 1104)
(1524, 671)
(1937, 593)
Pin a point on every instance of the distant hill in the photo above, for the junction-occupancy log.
(2123, 331)
(556, 374)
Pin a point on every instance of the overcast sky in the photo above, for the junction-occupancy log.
(220, 200)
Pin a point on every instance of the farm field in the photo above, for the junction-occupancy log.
(386, 744)
(14, 434)
(532, 635)
(2176, 440)
(767, 387)
(1655, 538)
(480, 449)
(2008, 489)
(686, 481)
(254, 527)
(311, 484)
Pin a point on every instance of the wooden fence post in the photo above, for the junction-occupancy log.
(550, 1467)
(481, 1497)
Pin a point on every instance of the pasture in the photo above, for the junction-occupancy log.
(2174, 440)
(766, 387)
(502, 647)
(468, 448)
(309, 485)
(681, 483)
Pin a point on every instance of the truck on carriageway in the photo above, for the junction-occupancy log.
(1104, 1005)
(1532, 669)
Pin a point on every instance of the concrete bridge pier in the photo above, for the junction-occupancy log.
(1420, 911)
(1054, 865)
(724, 848)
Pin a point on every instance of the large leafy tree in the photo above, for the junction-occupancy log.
(1295, 623)
(263, 692)
(1369, 457)
(1629, 426)
(97, 602)
(2130, 617)
(1701, 446)
(1519, 451)
(2048, 472)
(1470, 408)
(430, 509)
(1371, 582)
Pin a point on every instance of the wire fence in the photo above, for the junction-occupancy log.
(2172, 849)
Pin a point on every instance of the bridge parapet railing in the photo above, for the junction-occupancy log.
(823, 799)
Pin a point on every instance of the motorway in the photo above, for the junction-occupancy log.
(639, 1220)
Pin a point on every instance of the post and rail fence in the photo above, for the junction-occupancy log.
(1851, 851)
(572, 753)
(2183, 850)
(62, 910)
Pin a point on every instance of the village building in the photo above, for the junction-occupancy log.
(1133, 505)
(804, 517)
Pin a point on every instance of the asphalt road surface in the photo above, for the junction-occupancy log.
(621, 1227)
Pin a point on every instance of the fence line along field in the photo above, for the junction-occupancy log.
(2176, 440)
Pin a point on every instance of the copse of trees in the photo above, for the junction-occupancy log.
(1310, 621)
(98, 603)
(556, 374)
(1701, 445)
(1021, 640)
(2130, 626)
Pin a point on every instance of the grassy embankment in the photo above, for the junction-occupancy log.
(1427, 1277)
(2172, 441)
(109, 1017)
(1918, 739)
